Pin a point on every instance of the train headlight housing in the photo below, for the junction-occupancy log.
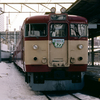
(63, 10)
(80, 46)
(44, 60)
(53, 9)
(35, 47)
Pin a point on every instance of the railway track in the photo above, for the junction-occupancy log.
(47, 96)
(53, 98)
(68, 96)
(75, 96)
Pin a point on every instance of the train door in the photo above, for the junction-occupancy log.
(58, 45)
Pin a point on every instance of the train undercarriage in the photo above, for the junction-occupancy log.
(55, 80)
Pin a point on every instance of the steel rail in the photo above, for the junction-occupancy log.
(75, 96)
(47, 96)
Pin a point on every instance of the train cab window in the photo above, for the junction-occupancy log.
(58, 30)
(78, 30)
(36, 30)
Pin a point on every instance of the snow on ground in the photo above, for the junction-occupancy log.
(13, 86)
(85, 97)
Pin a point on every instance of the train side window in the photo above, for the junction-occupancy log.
(26, 29)
(36, 30)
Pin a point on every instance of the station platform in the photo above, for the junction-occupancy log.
(93, 73)
(92, 78)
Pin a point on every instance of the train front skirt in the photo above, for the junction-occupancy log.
(56, 85)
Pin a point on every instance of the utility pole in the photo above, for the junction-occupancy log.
(0, 47)
(0, 37)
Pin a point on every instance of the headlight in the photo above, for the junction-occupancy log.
(35, 47)
(63, 10)
(80, 46)
(53, 9)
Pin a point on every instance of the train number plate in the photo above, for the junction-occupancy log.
(58, 43)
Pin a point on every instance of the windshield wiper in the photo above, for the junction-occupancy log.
(78, 35)
(76, 32)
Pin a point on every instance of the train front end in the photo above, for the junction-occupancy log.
(56, 52)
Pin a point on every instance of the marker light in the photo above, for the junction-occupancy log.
(44, 60)
(53, 9)
(80, 46)
(35, 47)
(63, 10)
(72, 60)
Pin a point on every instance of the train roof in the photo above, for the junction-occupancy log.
(45, 19)
(37, 19)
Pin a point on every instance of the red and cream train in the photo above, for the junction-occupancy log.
(53, 51)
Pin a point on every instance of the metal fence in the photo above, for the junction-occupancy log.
(94, 51)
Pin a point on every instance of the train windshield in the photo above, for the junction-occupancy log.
(78, 30)
(58, 30)
(35, 30)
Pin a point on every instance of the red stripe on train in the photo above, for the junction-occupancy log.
(45, 68)
(46, 38)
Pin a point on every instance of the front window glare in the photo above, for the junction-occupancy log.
(78, 30)
(35, 30)
(58, 30)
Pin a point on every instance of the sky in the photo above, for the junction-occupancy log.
(16, 19)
